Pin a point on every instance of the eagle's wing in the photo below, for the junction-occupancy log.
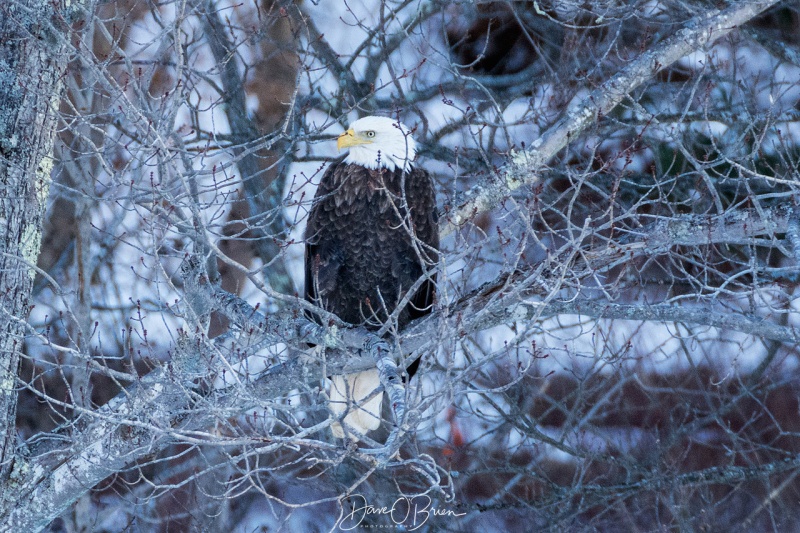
(421, 198)
(322, 259)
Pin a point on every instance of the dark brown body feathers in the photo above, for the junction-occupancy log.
(371, 236)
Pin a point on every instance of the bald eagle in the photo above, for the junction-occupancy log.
(372, 236)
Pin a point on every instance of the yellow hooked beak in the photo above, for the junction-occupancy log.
(351, 138)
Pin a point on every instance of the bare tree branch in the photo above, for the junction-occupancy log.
(526, 165)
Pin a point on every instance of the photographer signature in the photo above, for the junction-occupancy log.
(409, 512)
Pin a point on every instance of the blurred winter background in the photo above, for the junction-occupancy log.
(616, 350)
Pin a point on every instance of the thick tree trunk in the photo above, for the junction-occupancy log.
(32, 61)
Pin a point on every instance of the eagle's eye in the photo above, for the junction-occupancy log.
(369, 133)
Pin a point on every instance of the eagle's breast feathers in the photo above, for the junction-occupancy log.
(371, 235)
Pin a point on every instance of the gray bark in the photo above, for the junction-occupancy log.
(33, 57)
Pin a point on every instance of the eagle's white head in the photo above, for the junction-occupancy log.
(377, 142)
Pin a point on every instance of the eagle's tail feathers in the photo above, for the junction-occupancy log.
(350, 392)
